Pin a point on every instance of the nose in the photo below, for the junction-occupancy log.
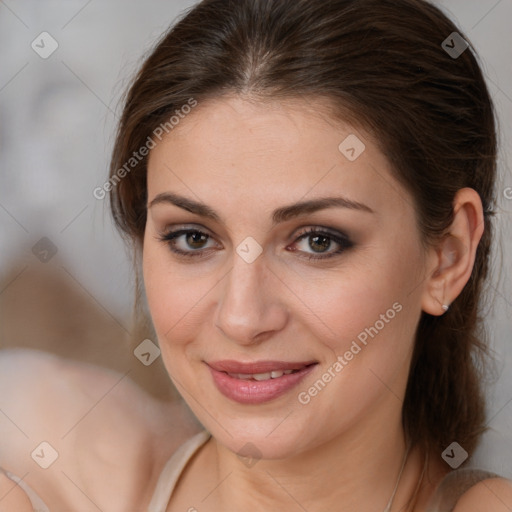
(250, 309)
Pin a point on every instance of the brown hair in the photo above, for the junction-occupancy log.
(382, 65)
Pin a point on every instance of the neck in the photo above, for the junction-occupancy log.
(356, 471)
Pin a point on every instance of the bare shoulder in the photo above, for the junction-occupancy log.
(12, 497)
(82, 432)
(490, 495)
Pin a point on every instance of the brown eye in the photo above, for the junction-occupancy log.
(186, 242)
(191, 243)
(319, 241)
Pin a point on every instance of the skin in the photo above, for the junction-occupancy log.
(344, 448)
(346, 445)
(111, 437)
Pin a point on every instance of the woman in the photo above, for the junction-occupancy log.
(308, 186)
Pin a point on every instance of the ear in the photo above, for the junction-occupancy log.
(451, 261)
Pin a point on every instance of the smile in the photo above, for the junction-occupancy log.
(261, 376)
(260, 382)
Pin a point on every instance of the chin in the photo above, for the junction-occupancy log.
(260, 439)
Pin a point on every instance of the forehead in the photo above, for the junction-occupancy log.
(269, 150)
(260, 124)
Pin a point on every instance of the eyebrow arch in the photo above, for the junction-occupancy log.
(279, 215)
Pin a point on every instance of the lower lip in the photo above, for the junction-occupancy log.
(254, 391)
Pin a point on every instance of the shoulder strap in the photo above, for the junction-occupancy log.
(37, 503)
(453, 486)
(173, 469)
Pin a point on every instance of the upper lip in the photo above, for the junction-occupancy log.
(230, 366)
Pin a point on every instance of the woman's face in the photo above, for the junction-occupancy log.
(286, 322)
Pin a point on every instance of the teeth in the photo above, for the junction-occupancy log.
(261, 376)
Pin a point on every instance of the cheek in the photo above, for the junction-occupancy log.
(174, 300)
(369, 308)
(364, 301)
(160, 292)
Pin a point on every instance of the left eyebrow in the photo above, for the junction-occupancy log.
(279, 215)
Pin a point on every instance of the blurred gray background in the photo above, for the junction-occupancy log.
(57, 119)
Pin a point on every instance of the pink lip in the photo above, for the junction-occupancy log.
(252, 391)
(231, 366)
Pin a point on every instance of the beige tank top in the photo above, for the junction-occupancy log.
(451, 488)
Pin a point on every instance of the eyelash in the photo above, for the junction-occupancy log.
(342, 240)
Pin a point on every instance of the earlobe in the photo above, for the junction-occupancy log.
(439, 290)
(454, 256)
